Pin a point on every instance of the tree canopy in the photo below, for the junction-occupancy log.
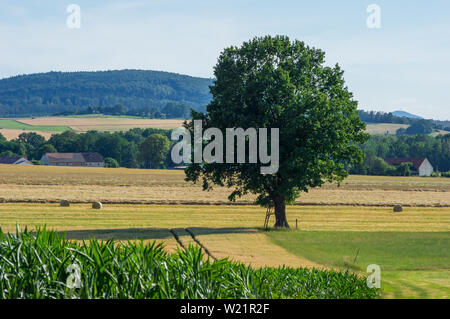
(154, 150)
(271, 82)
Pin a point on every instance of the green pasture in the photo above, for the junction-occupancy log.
(15, 125)
(413, 264)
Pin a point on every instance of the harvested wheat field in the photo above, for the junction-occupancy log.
(226, 231)
(11, 134)
(121, 185)
(102, 123)
(46, 126)
(200, 218)
(383, 128)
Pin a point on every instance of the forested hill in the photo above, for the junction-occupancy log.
(141, 91)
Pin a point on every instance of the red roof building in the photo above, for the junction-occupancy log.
(421, 164)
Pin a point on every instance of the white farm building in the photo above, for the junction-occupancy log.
(422, 166)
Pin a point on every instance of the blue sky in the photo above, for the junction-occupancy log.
(404, 65)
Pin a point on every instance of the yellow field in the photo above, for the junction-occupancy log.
(440, 132)
(310, 218)
(384, 128)
(391, 129)
(227, 231)
(42, 183)
(12, 134)
(84, 124)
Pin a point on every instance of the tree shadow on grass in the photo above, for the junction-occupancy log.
(226, 230)
(150, 233)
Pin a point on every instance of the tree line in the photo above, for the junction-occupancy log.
(136, 148)
(378, 147)
(150, 148)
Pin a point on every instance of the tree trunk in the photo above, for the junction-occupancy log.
(280, 212)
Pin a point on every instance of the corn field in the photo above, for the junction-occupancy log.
(44, 264)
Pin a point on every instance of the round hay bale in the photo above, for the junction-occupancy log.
(64, 203)
(398, 209)
(97, 205)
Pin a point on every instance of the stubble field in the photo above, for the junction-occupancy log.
(81, 185)
(102, 123)
(46, 126)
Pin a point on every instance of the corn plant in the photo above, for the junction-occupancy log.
(38, 264)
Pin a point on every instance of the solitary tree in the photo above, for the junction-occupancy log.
(271, 82)
(153, 150)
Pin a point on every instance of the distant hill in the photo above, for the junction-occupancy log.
(51, 93)
(406, 114)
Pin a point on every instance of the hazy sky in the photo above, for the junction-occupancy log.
(404, 65)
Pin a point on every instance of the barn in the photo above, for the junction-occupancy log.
(14, 160)
(421, 165)
(73, 159)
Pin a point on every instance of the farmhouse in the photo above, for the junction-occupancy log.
(73, 159)
(14, 160)
(421, 165)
